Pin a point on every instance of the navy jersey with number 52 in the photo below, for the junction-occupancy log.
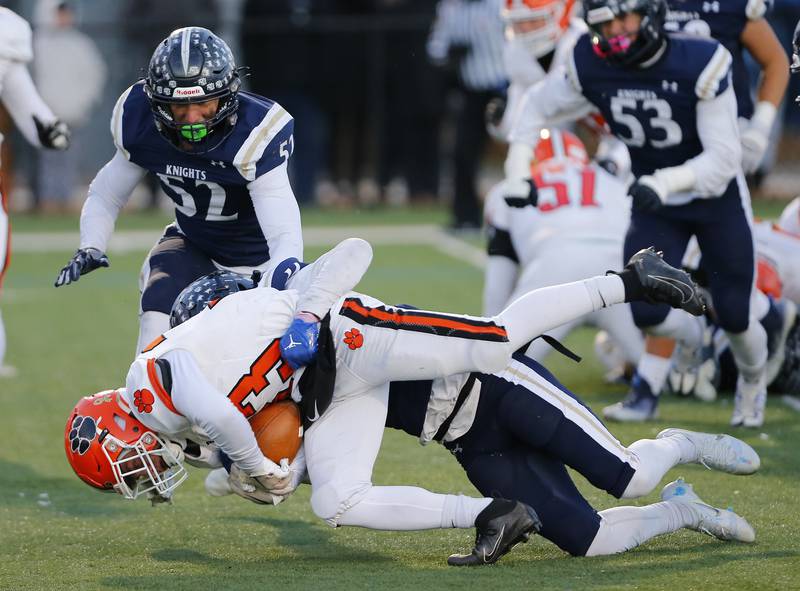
(213, 207)
(723, 20)
(653, 110)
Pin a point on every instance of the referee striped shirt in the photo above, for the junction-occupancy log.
(476, 24)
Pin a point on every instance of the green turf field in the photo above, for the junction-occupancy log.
(56, 533)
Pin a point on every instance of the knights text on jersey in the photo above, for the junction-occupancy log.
(654, 109)
(725, 22)
(213, 207)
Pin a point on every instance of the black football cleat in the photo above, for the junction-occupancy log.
(664, 284)
(499, 527)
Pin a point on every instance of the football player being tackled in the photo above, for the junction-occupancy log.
(188, 395)
(220, 154)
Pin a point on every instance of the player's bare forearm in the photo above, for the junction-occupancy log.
(760, 40)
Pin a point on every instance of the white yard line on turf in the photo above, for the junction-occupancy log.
(139, 240)
(792, 402)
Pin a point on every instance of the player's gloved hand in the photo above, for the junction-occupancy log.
(272, 481)
(754, 145)
(299, 343)
(54, 135)
(85, 260)
(755, 137)
(521, 191)
(647, 194)
(495, 109)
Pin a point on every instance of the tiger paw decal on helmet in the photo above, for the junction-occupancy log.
(83, 430)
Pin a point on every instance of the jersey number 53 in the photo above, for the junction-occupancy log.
(645, 121)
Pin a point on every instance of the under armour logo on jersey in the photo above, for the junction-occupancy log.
(83, 430)
(353, 338)
(711, 6)
(669, 86)
(143, 399)
(219, 163)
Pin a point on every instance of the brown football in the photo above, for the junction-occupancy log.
(278, 430)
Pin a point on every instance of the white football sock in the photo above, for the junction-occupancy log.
(749, 349)
(654, 370)
(652, 458)
(623, 528)
(400, 508)
(151, 326)
(538, 311)
(681, 326)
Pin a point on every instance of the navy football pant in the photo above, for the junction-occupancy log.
(517, 448)
(726, 242)
(174, 263)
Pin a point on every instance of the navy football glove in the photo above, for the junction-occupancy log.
(53, 136)
(84, 261)
(645, 198)
(299, 343)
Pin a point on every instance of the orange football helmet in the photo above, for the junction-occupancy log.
(110, 449)
(559, 144)
(538, 23)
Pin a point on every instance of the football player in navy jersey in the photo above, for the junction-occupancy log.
(219, 153)
(514, 432)
(670, 99)
(740, 25)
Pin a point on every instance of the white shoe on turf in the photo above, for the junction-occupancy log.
(722, 524)
(719, 452)
(749, 403)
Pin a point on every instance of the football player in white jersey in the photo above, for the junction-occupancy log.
(575, 229)
(539, 34)
(176, 390)
(32, 117)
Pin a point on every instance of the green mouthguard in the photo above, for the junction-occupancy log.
(194, 132)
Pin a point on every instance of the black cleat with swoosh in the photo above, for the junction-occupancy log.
(499, 527)
(664, 284)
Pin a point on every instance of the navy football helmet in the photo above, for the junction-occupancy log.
(193, 65)
(620, 50)
(207, 290)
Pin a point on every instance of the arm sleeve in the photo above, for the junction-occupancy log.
(24, 103)
(331, 276)
(202, 405)
(438, 44)
(721, 157)
(278, 214)
(108, 193)
(555, 99)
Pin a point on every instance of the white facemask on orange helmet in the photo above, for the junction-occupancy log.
(538, 24)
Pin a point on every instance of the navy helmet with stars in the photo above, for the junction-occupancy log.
(207, 291)
(193, 65)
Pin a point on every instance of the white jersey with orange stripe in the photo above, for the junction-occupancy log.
(225, 363)
(524, 70)
(575, 203)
